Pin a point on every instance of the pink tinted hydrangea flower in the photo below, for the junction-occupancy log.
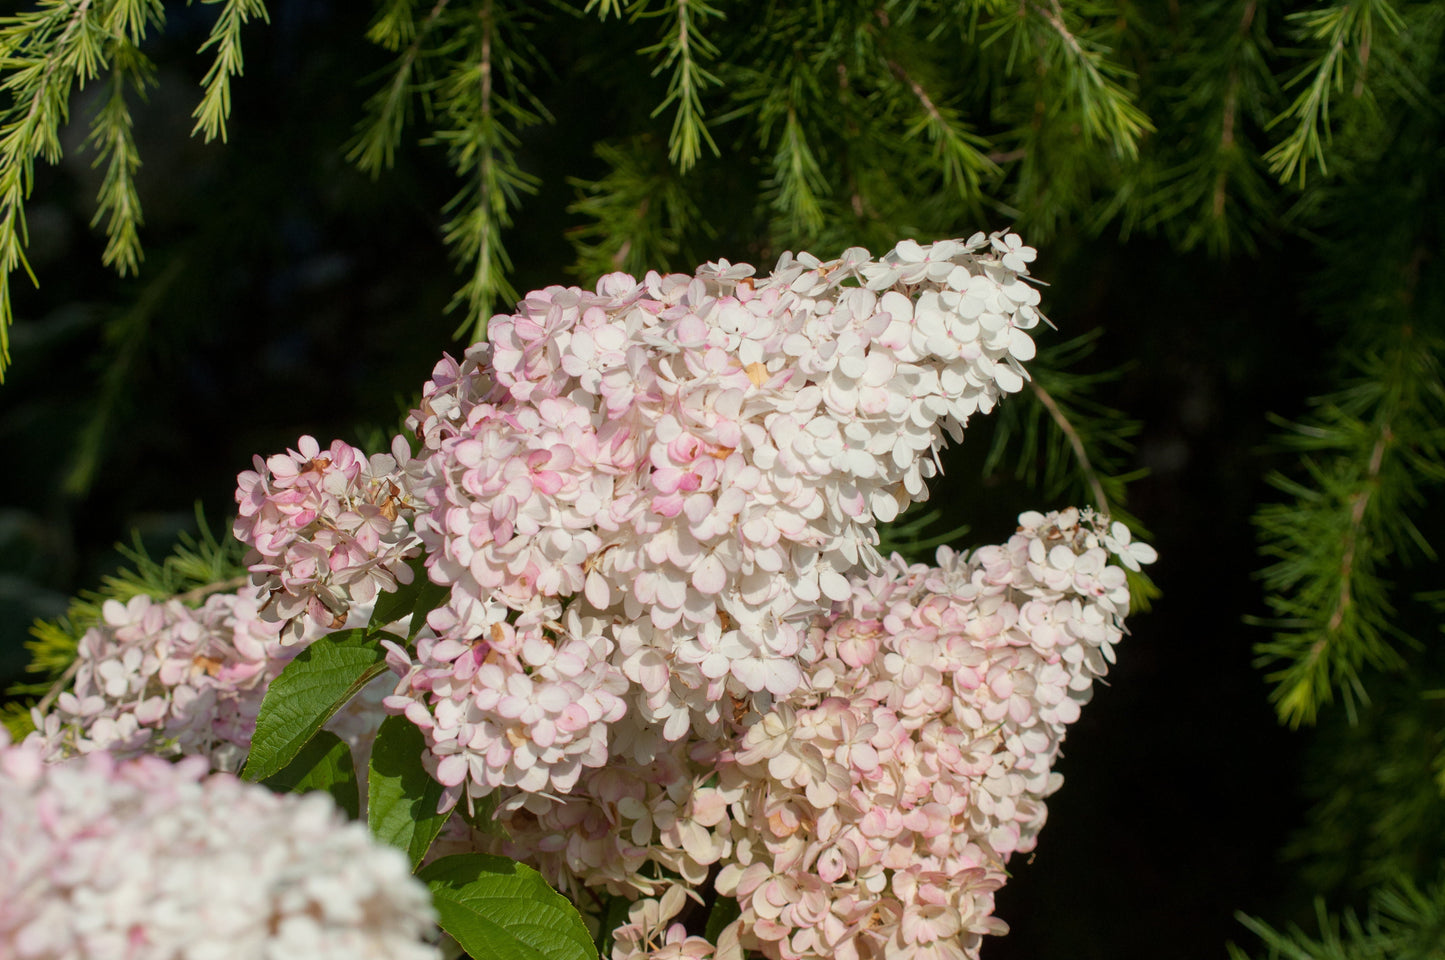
(327, 528)
(622, 827)
(695, 463)
(876, 814)
(872, 813)
(652, 503)
(525, 707)
(149, 860)
(648, 936)
(160, 677)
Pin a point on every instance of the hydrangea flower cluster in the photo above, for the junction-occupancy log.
(149, 860)
(872, 813)
(670, 652)
(327, 528)
(693, 464)
(164, 678)
(878, 812)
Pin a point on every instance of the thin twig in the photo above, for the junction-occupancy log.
(1055, 17)
(1228, 121)
(1076, 442)
(1008, 156)
(59, 686)
(918, 91)
(1226, 142)
(1359, 501)
(220, 586)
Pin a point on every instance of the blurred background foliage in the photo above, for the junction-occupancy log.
(250, 221)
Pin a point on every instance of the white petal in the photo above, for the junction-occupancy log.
(1008, 381)
(1021, 345)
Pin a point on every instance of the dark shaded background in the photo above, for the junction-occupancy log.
(284, 293)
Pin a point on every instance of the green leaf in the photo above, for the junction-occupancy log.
(723, 912)
(323, 764)
(417, 598)
(483, 815)
(312, 687)
(614, 917)
(495, 907)
(402, 797)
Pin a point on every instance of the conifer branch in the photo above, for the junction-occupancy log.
(638, 212)
(1107, 111)
(681, 50)
(1229, 120)
(797, 182)
(1205, 184)
(112, 133)
(1384, 436)
(1345, 33)
(394, 25)
(475, 230)
(604, 8)
(1220, 196)
(132, 19)
(45, 51)
(214, 109)
(378, 135)
(1403, 921)
(1359, 502)
(783, 97)
(481, 149)
(957, 151)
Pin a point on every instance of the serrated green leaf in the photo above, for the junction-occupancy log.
(416, 599)
(324, 763)
(401, 796)
(495, 907)
(314, 686)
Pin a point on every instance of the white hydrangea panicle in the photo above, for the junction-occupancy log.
(150, 860)
(703, 455)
